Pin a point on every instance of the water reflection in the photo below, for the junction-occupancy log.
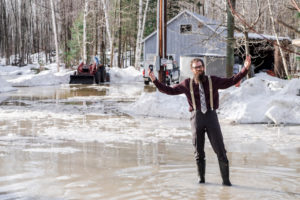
(82, 90)
(149, 88)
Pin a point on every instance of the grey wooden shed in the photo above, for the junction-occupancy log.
(192, 35)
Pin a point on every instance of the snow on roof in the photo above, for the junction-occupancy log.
(260, 36)
(205, 54)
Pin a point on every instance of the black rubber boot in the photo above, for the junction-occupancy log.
(201, 170)
(224, 168)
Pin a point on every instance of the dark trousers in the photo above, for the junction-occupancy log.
(208, 123)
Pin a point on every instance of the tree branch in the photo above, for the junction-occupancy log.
(286, 25)
(295, 5)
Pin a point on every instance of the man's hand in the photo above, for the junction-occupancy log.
(151, 75)
(247, 63)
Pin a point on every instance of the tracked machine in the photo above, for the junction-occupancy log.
(90, 74)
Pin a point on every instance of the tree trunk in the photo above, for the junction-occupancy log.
(139, 33)
(86, 6)
(107, 25)
(278, 43)
(55, 34)
(96, 46)
(30, 36)
(143, 28)
(23, 36)
(230, 40)
(120, 35)
(102, 45)
(16, 34)
(278, 65)
(5, 37)
(247, 49)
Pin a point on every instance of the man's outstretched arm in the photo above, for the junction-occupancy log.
(223, 83)
(175, 90)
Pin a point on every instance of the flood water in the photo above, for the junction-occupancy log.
(77, 142)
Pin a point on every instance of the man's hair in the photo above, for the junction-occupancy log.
(197, 60)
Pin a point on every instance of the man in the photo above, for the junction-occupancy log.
(203, 107)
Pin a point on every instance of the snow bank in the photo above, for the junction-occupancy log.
(2, 61)
(262, 99)
(127, 75)
(158, 104)
(5, 86)
(14, 70)
(41, 79)
(25, 76)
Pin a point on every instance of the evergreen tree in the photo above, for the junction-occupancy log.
(150, 25)
(75, 55)
(75, 44)
(173, 9)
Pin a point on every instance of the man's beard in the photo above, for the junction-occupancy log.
(201, 77)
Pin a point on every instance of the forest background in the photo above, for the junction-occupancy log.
(81, 29)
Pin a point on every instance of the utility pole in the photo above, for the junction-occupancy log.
(161, 38)
(230, 39)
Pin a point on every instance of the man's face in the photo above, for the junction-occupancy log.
(198, 68)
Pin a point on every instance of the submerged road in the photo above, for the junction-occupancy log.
(78, 142)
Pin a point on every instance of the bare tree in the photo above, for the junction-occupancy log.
(278, 43)
(107, 24)
(140, 31)
(55, 34)
(84, 42)
(230, 38)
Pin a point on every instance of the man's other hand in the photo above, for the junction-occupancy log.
(247, 63)
(151, 75)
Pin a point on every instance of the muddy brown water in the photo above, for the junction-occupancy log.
(73, 142)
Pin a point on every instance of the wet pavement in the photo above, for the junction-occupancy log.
(77, 142)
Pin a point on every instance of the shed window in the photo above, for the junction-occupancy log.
(186, 28)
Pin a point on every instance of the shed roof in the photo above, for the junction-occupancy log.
(218, 28)
(210, 23)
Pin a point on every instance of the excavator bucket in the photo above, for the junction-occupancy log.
(82, 79)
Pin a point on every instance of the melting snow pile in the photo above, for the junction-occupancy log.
(160, 105)
(13, 70)
(25, 76)
(126, 75)
(5, 86)
(43, 78)
(262, 99)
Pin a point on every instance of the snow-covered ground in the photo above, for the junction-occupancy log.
(27, 77)
(5, 86)
(262, 99)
